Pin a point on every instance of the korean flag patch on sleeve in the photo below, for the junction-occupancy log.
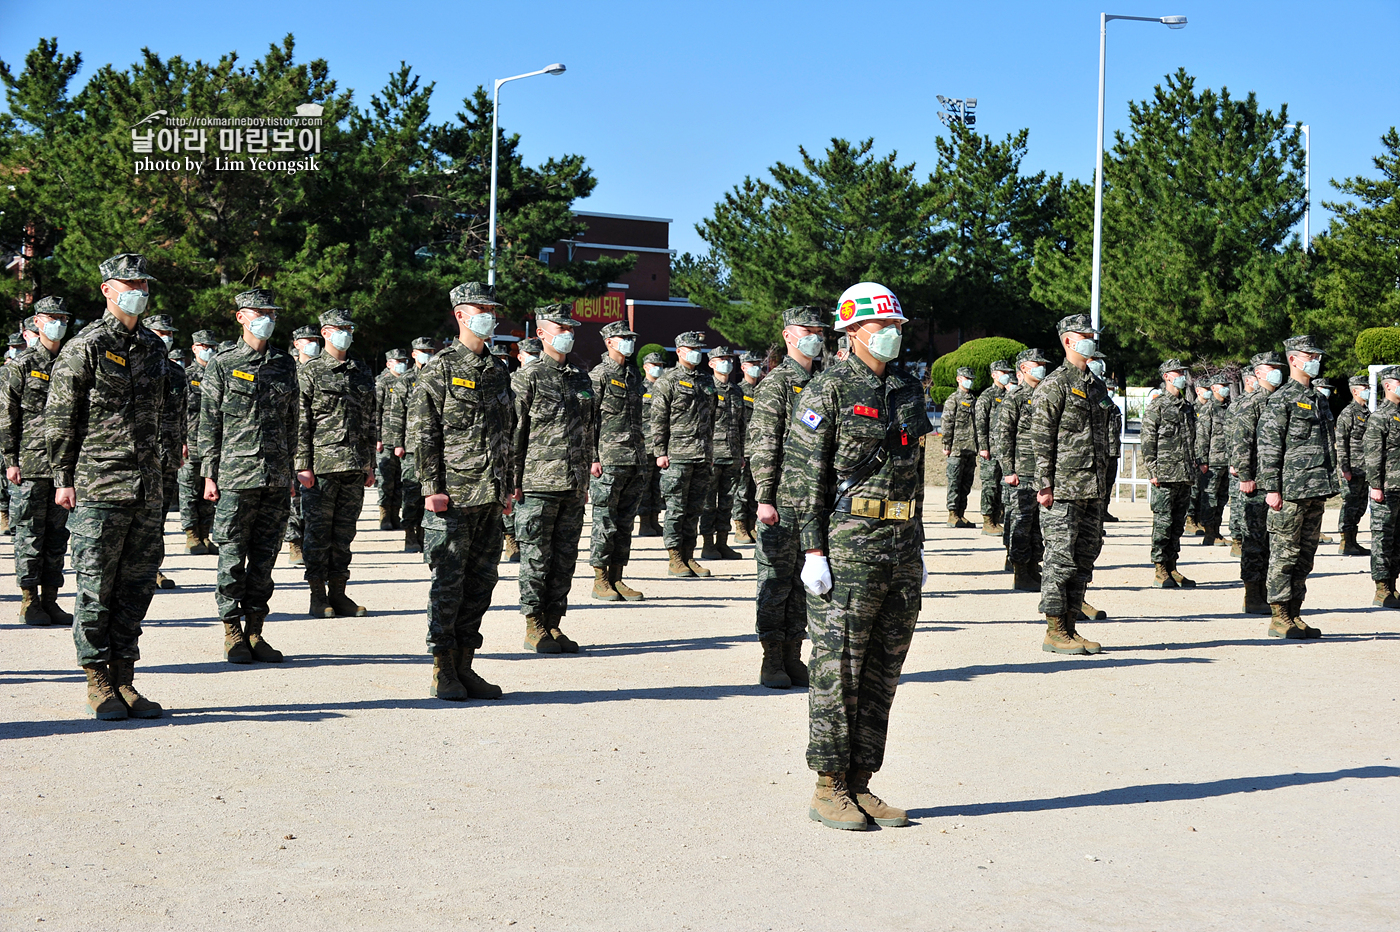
(811, 418)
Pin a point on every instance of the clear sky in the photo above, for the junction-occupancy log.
(674, 103)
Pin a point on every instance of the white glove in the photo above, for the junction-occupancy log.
(923, 564)
(816, 574)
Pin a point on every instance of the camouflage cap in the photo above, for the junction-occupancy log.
(309, 332)
(1098, 354)
(395, 354)
(336, 317)
(654, 359)
(17, 339)
(1032, 354)
(258, 299)
(498, 349)
(52, 306)
(965, 372)
(1001, 365)
(125, 267)
(1172, 365)
(477, 293)
(1359, 381)
(1321, 383)
(561, 314)
(750, 356)
(29, 325)
(1219, 378)
(531, 345)
(1388, 373)
(617, 328)
(805, 316)
(209, 338)
(1267, 358)
(1075, 323)
(179, 355)
(161, 322)
(720, 351)
(692, 338)
(425, 345)
(1302, 343)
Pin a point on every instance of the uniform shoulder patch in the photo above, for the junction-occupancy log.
(647, 395)
(812, 419)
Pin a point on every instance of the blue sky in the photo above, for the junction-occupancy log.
(673, 104)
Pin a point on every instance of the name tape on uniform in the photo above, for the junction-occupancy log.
(866, 411)
(686, 384)
(465, 383)
(119, 360)
(617, 383)
(240, 374)
(39, 375)
(1305, 406)
(1079, 392)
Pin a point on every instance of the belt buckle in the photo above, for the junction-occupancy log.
(866, 507)
(898, 511)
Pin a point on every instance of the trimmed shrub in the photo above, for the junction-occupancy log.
(1378, 346)
(978, 354)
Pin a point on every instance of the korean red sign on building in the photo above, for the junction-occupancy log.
(601, 310)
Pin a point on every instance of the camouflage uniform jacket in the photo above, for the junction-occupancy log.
(103, 419)
(648, 387)
(555, 438)
(984, 415)
(959, 425)
(619, 427)
(248, 418)
(1351, 430)
(338, 426)
(384, 385)
(194, 393)
(1169, 439)
(774, 403)
(683, 415)
(1115, 430)
(26, 392)
(462, 427)
(1244, 434)
(845, 414)
(399, 401)
(1295, 449)
(1214, 434)
(729, 422)
(174, 417)
(1069, 436)
(1381, 446)
(1015, 452)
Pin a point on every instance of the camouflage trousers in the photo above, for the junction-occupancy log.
(195, 510)
(1073, 535)
(1254, 542)
(960, 466)
(1022, 523)
(388, 479)
(685, 486)
(41, 534)
(170, 491)
(1193, 506)
(1213, 496)
(615, 496)
(990, 471)
(116, 552)
(412, 492)
(296, 528)
(329, 510)
(781, 606)
(461, 546)
(1236, 510)
(652, 500)
(860, 633)
(1355, 496)
(1169, 502)
(547, 526)
(246, 528)
(746, 507)
(4, 489)
(1385, 538)
(723, 496)
(1293, 533)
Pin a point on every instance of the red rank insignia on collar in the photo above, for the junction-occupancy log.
(867, 411)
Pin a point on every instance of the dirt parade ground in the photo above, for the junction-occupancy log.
(1195, 775)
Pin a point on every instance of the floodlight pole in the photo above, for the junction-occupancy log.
(495, 108)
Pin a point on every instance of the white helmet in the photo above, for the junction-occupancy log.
(867, 301)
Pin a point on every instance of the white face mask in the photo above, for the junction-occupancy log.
(1224, 392)
(205, 354)
(1085, 347)
(165, 338)
(753, 372)
(12, 352)
(627, 346)
(1365, 394)
(1096, 366)
(421, 357)
(1324, 392)
(1312, 367)
(133, 302)
(811, 345)
(562, 342)
(30, 338)
(341, 339)
(654, 371)
(55, 329)
(312, 350)
(965, 384)
(483, 325)
(1037, 373)
(1274, 377)
(724, 367)
(691, 357)
(1003, 377)
(1179, 382)
(262, 326)
(400, 368)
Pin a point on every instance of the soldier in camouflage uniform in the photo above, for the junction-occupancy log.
(1251, 386)
(336, 434)
(985, 413)
(1017, 455)
(399, 439)
(1380, 449)
(17, 346)
(1213, 451)
(196, 514)
(554, 449)
(40, 525)
(103, 426)
(960, 446)
(855, 481)
(1324, 390)
(248, 419)
(1070, 439)
(1115, 445)
(728, 470)
(1169, 435)
(307, 344)
(1351, 428)
(652, 500)
(1268, 369)
(461, 424)
(616, 489)
(530, 351)
(781, 605)
(682, 439)
(390, 464)
(746, 505)
(173, 428)
(1195, 513)
(1297, 472)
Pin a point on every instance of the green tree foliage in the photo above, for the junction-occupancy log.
(979, 354)
(1376, 346)
(396, 215)
(647, 350)
(1200, 198)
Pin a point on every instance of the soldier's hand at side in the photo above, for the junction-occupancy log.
(211, 490)
(1013, 479)
(816, 574)
(12, 473)
(1045, 497)
(1247, 486)
(1377, 495)
(369, 478)
(437, 503)
(947, 451)
(768, 515)
(985, 454)
(184, 452)
(596, 470)
(1346, 474)
(1274, 500)
(379, 447)
(66, 498)
(518, 495)
(1155, 482)
(1234, 472)
(307, 478)
(663, 462)
(399, 451)
(1204, 469)
(505, 512)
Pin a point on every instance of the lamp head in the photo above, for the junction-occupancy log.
(558, 68)
(1173, 22)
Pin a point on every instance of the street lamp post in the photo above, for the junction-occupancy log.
(1171, 22)
(1307, 181)
(495, 108)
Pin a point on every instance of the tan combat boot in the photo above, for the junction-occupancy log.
(602, 586)
(1295, 611)
(1391, 600)
(726, 552)
(386, 521)
(445, 682)
(5, 524)
(103, 701)
(137, 705)
(263, 652)
(1349, 547)
(209, 544)
(624, 590)
(511, 549)
(566, 644)
(236, 649)
(294, 556)
(320, 607)
(695, 568)
(743, 534)
(879, 811)
(793, 665)
(163, 581)
(961, 522)
(1162, 577)
(771, 673)
(1058, 640)
(342, 604)
(1236, 547)
(476, 687)
(1256, 601)
(1090, 647)
(194, 544)
(1026, 579)
(1181, 580)
(1192, 527)
(990, 527)
(31, 610)
(678, 566)
(1087, 612)
(952, 519)
(1281, 626)
(537, 637)
(709, 551)
(49, 600)
(833, 806)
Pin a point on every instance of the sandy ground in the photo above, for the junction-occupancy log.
(1195, 775)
